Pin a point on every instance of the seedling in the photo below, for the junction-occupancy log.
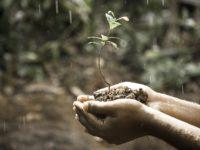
(106, 39)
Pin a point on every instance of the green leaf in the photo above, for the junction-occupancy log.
(95, 43)
(112, 37)
(111, 13)
(94, 37)
(110, 17)
(112, 21)
(114, 24)
(113, 44)
(103, 43)
(104, 38)
(125, 18)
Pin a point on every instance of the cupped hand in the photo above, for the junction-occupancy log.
(134, 86)
(125, 120)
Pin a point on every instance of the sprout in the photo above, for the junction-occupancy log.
(103, 40)
(113, 21)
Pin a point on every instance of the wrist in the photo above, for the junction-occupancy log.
(173, 131)
(156, 100)
(148, 123)
(153, 123)
(155, 97)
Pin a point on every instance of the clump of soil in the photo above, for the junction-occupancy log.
(121, 93)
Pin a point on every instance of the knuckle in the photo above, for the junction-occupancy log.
(90, 106)
(126, 83)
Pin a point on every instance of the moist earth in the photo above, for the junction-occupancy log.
(122, 92)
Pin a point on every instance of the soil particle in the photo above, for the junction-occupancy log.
(121, 93)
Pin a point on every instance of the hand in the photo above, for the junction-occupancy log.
(151, 94)
(126, 119)
(175, 107)
(134, 86)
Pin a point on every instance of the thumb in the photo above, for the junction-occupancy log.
(97, 107)
(84, 98)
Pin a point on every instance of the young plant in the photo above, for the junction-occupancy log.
(106, 39)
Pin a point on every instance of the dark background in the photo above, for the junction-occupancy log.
(45, 62)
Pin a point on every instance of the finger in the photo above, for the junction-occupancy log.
(86, 119)
(112, 87)
(97, 107)
(74, 108)
(91, 132)
(82, 120)
(76, 117)
(109, 108)
(125, 102)
(97, 138)
(83, 98)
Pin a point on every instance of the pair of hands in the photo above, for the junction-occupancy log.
(126, 119)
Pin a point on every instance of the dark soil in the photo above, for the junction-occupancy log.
(122, 93)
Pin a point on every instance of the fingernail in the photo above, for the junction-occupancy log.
(82, 98)
(74, 103)
(76, 117)
(90, 97)
(98, 139)
(74, 108)
(85, 106)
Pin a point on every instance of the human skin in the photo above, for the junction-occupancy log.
(128, 119)
(178, 108)
(175, 107)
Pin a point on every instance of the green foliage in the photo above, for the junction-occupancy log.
(106, 39)
(34, 34)
(113, 21)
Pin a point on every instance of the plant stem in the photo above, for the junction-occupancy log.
(100, 70)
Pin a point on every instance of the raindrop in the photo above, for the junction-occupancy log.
(147, 2)
(19, 126)
(4, 126)
(150, 79)
(39, 8)
(56, 4)
(123, 43)
(71, 65)
(70, 16)
(163, 2)
(182, 89)
(24, 121)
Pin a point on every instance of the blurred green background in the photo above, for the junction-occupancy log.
(45, 62)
